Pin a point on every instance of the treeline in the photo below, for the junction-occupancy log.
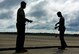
(40, 34)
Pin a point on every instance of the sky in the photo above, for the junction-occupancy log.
(42, 12)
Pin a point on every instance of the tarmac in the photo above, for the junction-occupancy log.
(39, 44)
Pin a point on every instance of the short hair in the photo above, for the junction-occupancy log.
(59, 13)
(23, 3)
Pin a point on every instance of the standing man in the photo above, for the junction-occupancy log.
(21, 28)
(61, 29)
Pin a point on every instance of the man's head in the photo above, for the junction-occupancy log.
(59, 14)
(23, 4)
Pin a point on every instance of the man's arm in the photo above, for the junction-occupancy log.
(57, 23)
(56, 27)
(28, 20)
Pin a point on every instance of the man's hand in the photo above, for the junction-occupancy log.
(57, 23)
(56, 27)
(30, 21)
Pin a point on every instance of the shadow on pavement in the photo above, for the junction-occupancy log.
(41, 47)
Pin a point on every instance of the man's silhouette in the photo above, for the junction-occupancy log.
(21, 28)
(61, 29)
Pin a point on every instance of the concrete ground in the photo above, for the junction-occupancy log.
(9, 41)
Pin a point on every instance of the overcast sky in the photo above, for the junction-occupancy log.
(42, 12)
